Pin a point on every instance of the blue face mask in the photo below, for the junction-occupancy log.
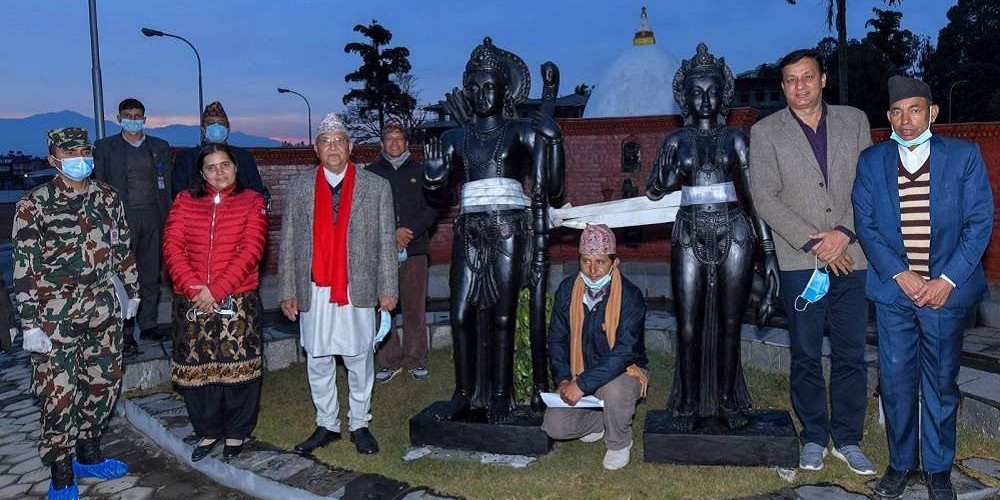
(596, 285)
(132, 126)
(916, 141)
(216, 133)
(77, 168)
(402, 255)
(816, 288)
(385, 324)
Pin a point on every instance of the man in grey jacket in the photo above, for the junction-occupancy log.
(802, 164)
(336, 265)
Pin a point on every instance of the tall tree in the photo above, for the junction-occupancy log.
(380, 97)
(964, 69)
(836, 10)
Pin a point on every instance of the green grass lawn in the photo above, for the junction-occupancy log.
(574, 469)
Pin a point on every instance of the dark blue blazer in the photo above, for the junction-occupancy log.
(961, 212)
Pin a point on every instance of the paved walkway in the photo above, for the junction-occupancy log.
(153, 473)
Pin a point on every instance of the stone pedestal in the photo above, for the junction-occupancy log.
(521, 435)
(769, 441)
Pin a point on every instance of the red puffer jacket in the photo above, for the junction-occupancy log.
(215, 244)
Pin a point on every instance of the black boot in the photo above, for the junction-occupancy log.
(62, 474)
(88, 451)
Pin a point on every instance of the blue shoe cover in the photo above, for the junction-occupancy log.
(71, 492)
(108, 469)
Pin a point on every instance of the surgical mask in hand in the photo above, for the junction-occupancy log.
(77, 168)
(216, 133)
(816, 288)
(384, 325)
(402, 255)
(132, 126)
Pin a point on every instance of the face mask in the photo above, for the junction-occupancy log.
(402, 255)
(596, 285)
(132, 126)
(384, 325)
(77, 168)
(918, 140)
(816, 288)
(216, 133)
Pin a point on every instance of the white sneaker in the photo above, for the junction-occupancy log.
(616, 459)
(592, 437)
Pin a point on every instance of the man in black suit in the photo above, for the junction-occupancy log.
(139, 167)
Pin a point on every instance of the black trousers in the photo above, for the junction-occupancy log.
(224, 411)
(146, 231)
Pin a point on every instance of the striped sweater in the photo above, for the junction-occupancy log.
(914, 210)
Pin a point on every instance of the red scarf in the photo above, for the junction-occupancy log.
(329, 261)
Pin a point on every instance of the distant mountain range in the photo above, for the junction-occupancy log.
(28, 134)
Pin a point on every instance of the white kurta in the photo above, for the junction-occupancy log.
(327, 328)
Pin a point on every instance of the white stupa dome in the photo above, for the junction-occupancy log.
(639, 83)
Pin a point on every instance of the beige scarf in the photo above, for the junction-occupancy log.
(612, 315)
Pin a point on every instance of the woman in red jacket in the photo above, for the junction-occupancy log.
(212, 247)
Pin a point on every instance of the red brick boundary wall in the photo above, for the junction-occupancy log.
(594, 173)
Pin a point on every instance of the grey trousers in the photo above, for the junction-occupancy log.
(619, 396)
(323, 385)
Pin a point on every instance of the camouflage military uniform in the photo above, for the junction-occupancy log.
(67, 245)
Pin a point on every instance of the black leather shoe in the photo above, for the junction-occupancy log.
(893, 483)
(130, 348)
(364, 441)
(939, 486)
(151, 334)
(191, 439)
(229, 452)
(320, 438)
(202, 451)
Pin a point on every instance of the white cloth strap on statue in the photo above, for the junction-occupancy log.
(723, 192)
(629, 212)
(499, 193)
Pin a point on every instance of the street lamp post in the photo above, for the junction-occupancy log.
(308, 110)
(151, 32)
(950, 89)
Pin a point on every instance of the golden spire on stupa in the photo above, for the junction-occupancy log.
(644, 35)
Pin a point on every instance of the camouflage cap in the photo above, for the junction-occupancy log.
(68, 137)
(214, 110)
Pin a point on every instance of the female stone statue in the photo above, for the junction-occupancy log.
(712, 254)
(492, 241)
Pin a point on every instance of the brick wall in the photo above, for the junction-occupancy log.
(593, 174)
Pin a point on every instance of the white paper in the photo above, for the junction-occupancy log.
(121, 294)
(552, 400)
(629, 212)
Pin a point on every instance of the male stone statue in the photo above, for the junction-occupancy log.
(711, 261)
(493, 234)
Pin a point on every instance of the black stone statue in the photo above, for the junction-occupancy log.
(712, 246)
(500, 236)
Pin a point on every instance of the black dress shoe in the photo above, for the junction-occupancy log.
(320, 437)
(364, 441)
(191, 438)
(939, 486)
(230, 452)
(893, 483)
(202, 451)
(151, 334)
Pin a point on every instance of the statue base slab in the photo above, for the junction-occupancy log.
(769, 441)
(521, 435)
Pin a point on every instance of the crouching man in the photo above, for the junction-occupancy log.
(597, 347)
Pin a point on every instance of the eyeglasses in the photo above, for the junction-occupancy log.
(326, 142)
(222, 166)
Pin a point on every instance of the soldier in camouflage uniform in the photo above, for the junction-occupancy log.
(70, 239)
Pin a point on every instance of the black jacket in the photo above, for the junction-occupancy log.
(601, 364)
(186, 172)
(109, 167)
(412, 211)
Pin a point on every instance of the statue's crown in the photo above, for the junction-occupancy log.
(486, 57)
(703, 60)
